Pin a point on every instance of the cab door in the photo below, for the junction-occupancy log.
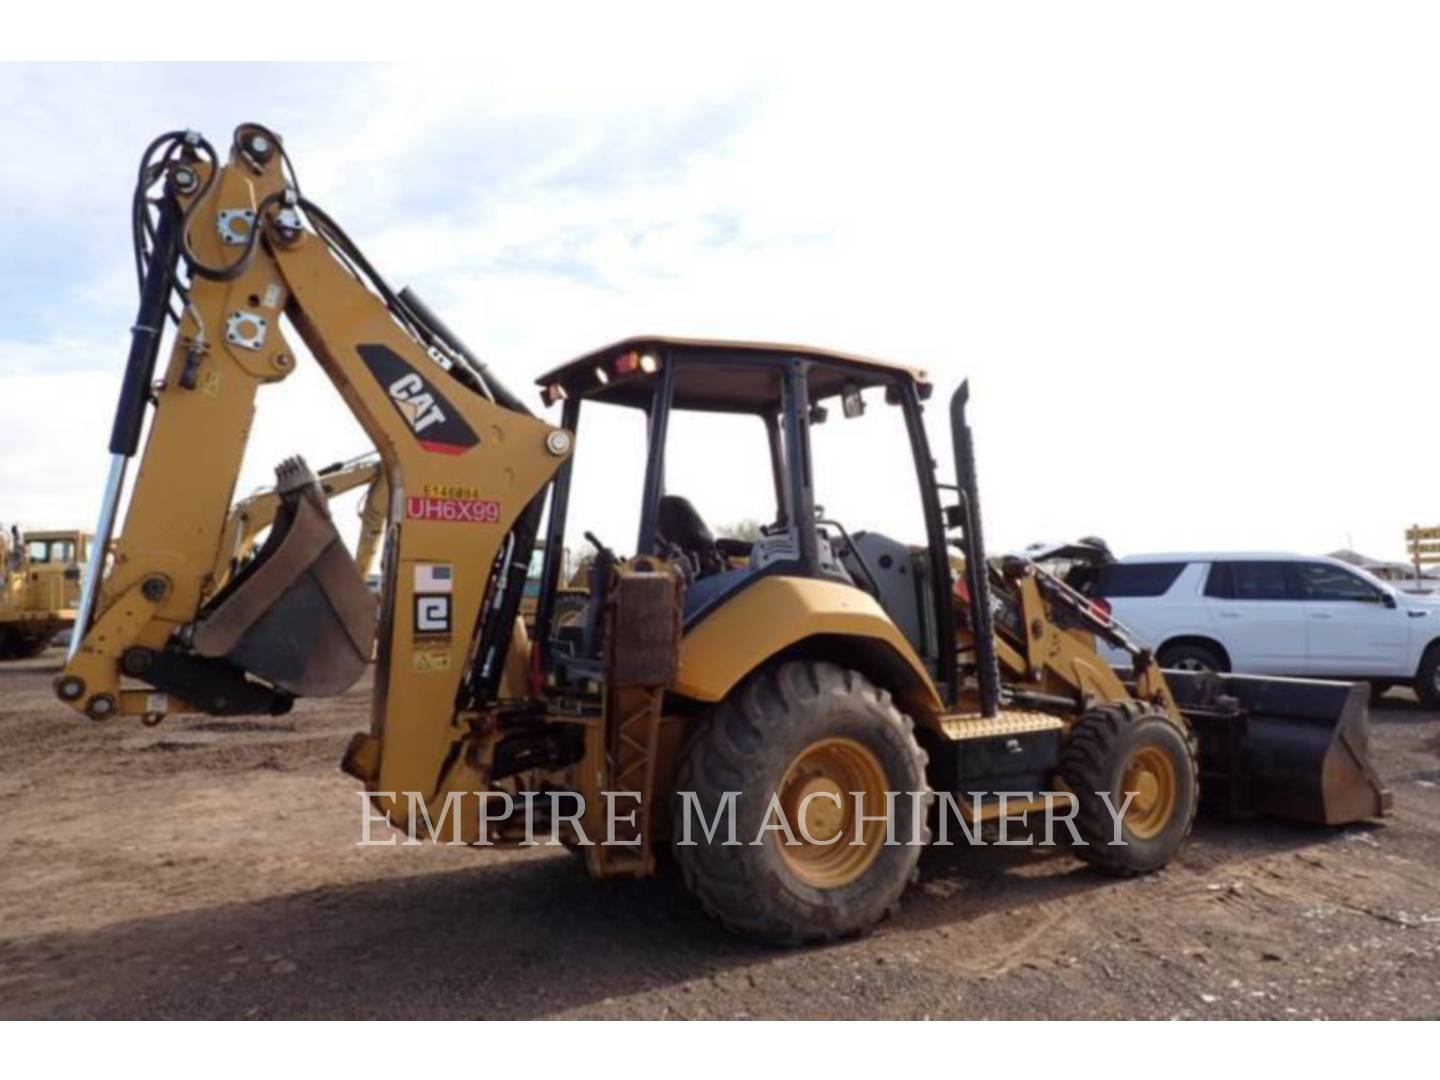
(1352, 627)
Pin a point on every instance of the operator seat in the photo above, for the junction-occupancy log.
(680, 523)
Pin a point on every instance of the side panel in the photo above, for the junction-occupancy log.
(776, 613)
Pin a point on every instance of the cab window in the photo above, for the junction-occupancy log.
(607, 479)
(720, 463)
(874, 443)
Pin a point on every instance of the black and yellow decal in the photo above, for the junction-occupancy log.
(437, 425)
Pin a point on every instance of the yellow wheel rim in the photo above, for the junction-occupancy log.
(822, 773)
(1150, 774)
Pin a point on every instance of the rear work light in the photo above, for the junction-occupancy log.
(633, 361)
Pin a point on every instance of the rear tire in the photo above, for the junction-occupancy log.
(1191, 656)
(790, 731)
(1121, 748)
(1427, 678)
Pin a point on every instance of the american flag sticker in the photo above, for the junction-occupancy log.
(434, 577)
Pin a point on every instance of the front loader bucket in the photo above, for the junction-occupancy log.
(1287, 748)
(299, 614)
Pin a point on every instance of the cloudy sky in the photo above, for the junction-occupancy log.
(1189, 261)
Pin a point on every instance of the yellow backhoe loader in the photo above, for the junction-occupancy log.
(800, 699)
(40, 575)
(255, 513)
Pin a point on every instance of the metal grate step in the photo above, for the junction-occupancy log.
(1010, 722)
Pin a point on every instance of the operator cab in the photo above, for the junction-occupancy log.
(678, 386)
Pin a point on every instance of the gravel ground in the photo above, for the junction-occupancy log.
(207, 868)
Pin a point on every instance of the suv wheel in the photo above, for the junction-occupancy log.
(1427, 679)
(1191, 656)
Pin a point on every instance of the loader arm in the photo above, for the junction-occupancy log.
(461, 460)
(1055, 650)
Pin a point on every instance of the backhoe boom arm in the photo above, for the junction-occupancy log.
(458, 467)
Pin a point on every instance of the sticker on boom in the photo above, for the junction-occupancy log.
(436, 424)
(467, 511)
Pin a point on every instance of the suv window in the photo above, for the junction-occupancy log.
(1260, 580)
(1320, 581)
(1121, 580)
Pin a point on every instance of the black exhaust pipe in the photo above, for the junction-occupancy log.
(972, 545)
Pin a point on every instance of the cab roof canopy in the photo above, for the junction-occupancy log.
(716, 376)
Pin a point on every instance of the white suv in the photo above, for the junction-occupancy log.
(1269, 614)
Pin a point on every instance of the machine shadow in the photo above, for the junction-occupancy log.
(527, 938)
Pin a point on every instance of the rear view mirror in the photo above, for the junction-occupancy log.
(851, 403)
(1387, 600)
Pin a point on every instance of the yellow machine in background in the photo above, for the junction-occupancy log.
(41, 587)
(813, 671)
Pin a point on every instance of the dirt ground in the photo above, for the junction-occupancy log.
(208, 868)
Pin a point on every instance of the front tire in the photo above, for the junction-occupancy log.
(1119, 749)
(797, 737)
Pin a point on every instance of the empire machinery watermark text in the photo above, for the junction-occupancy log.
(1015, 818)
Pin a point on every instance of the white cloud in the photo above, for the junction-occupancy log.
(1187, 257)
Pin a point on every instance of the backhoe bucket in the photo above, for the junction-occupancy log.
(299, 614)
(1287, 748)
